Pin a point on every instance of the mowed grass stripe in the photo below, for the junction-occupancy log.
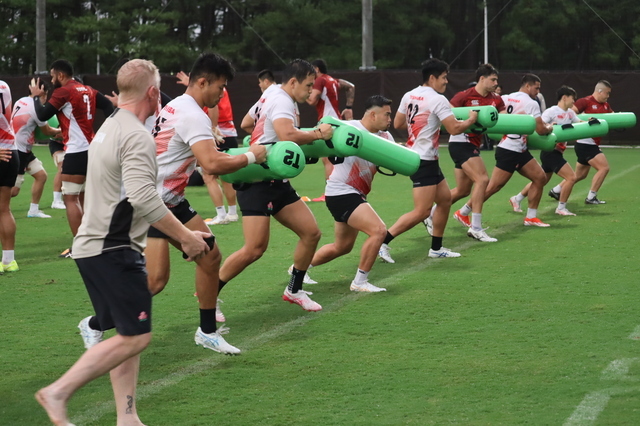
(144, 391)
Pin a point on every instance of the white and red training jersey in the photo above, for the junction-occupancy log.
(425, 109)
(277, 104)
(7, 138)
(328, 101)
(181, 124)
(354, 175)
(556, 115)
(24, 122)
(518, 103)
(76, 105)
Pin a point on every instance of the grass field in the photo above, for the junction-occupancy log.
(541, 328)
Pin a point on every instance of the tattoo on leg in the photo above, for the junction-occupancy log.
(129, 409)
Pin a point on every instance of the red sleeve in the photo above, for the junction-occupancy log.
(59, 97)
(500, 106)
(581, 104)
(319, 84)
(458, 99)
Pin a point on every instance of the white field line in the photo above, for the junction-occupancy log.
(635, 335)
(95, 412)
(618, 370)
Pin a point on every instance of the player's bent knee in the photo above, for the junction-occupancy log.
(137, 343)
(18, 184)
(34, 167)
(72, 188)
(157, 283)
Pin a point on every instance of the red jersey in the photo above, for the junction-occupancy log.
(470, 98)
(76, 105)
(225, 116)
(589, 105)
(328, 102)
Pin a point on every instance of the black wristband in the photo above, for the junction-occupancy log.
(348, 107)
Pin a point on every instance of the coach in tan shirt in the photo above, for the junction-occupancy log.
(121, 201)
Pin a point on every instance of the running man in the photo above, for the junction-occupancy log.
(278, 121)
(553, 161)
(24, 122)
(422, 111)
(121, 202)
(324, 97)
(266, 81)
(183, 135)
(346, 193)
(512, 153)
(464, 149)
(588, 150)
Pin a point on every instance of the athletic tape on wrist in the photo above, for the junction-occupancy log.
(251, 157)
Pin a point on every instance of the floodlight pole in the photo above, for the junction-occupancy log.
(367, 36)
(41, 36)
(486, 35)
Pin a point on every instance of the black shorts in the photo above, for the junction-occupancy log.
(55, 146)
(342, 206)
(25, 158)
(229, 142)
(9, 170)
(76, 163)
(183, 212)
(117, 285)
(552, 161)
(265, 198)
(462, 151)
(510, 161)
(428, 174)
(586, 152)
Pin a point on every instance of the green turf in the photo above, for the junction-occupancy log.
(516, 332)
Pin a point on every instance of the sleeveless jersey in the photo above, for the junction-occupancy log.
(24, 122)
(425, 109)
(518, 103)
(556, 115)
(76, 105)
(470, 98)
(354, 175)
(181, 124)
(7, 138)
(328, 102)
(275, 104)
(589, 105)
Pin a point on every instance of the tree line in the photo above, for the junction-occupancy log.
(256, 34)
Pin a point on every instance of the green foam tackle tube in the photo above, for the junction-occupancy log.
(542, 142)
(390, 155)
(615, 120)
(285, 160)
(588, 129)
(487, 117)
(381, 152)
(514, 124)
